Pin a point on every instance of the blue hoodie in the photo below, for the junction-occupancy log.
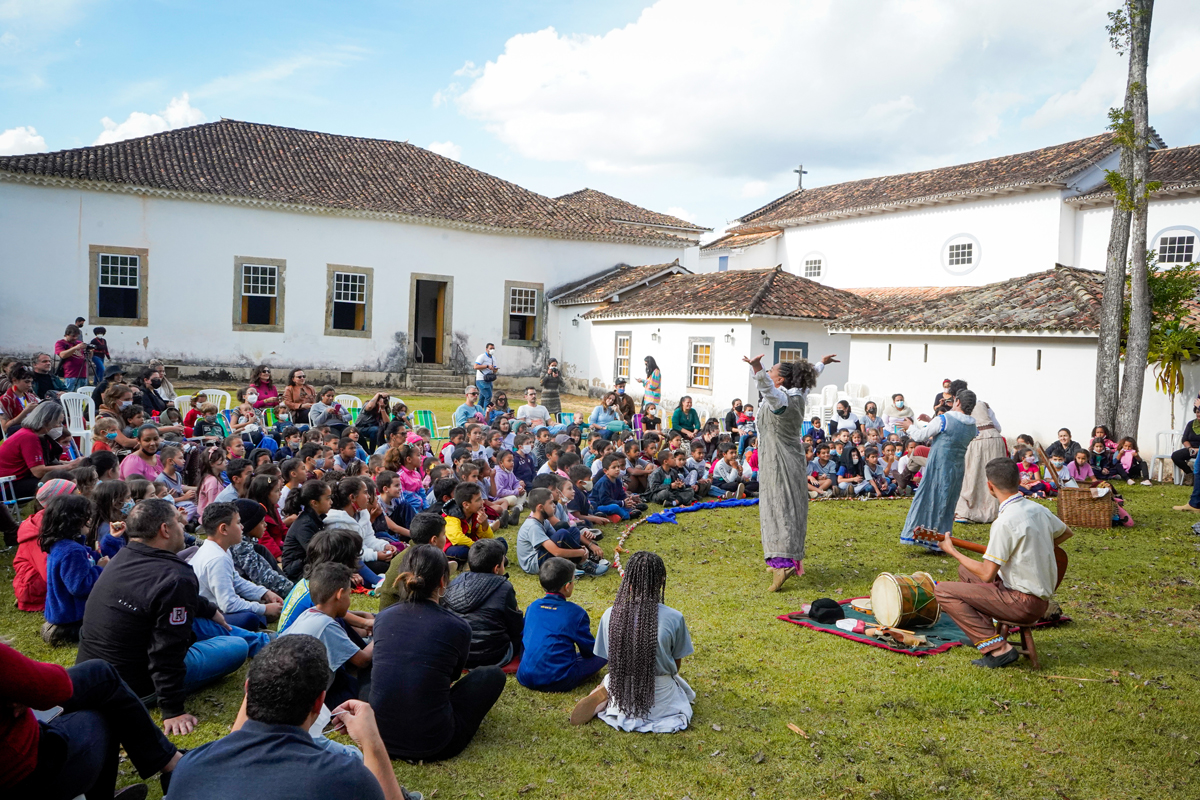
(606, 492)
(70, 575)
(554, 626)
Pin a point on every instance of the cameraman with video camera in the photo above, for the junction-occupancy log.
(551, 383)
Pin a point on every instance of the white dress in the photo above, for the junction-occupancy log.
(672, 709)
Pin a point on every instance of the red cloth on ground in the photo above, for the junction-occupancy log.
(29, 582)
(28, 684)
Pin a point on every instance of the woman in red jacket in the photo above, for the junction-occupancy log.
(29, 565)
(76, 752)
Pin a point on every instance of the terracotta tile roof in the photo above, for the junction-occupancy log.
(270, 164)
(891, 295)
(731, 240)
(738, 293)
(614, 208)
(1063, 299)
(603, 285)
(1177, 168)
(1047, 165)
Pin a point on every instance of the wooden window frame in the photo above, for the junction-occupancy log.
(280, 265)
(710, 342)
(539, 318)
(143, 255)
(368, 296)
(617, 336)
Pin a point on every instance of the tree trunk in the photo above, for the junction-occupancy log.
(1108, 349)
(1137, 345)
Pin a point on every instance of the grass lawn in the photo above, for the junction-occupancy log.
(877, 725)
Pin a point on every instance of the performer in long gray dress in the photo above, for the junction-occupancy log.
(782, 481)
(942, 476)
(975, 503)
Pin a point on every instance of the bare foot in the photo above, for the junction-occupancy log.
(590, 706)
(1191, 508)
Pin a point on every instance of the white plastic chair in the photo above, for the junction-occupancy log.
(8, 496)
(183, 402)
(80, 408)
(1172, 440)
(348, 401)
(218, 397)
(829, 396)
(854, 390)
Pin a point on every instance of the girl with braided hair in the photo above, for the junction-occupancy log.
(782, 487)
(644, 642)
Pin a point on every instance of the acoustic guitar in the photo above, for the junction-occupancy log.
(927, 535)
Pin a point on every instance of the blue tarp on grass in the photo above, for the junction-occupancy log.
(668, 514)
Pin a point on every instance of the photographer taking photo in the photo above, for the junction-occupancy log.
(551, 383)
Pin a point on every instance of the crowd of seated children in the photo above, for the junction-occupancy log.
(538, 539)
(667, 485)
(242, 602)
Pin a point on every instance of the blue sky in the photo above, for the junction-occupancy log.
(693, 106)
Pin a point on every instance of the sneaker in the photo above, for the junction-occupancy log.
(55, 635)
(641, 506)
(1147, 483)
(593, 568)
(634, 514)
(1131, 481)
(990, 661)
(670, 504)
(741, 491)
(727, 496)
(597, 534)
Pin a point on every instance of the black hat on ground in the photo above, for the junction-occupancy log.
(826, 611)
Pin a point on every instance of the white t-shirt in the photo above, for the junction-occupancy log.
(529, 414)
(487, 360)
(1021, 542)
(850, 423)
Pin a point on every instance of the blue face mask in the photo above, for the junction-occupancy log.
(320, 463)
(127, 506)
(126, 403)
(899, 404)
(112, 437)
(621, 390)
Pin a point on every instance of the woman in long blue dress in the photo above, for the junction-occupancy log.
(942, 477)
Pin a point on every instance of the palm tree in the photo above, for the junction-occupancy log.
(1170, 349)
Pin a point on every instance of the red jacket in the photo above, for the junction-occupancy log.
(29, 583)
(27, 684)
(273, 536)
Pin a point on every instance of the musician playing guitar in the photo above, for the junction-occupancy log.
(1018, 573)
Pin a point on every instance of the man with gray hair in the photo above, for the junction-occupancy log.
(941, 483)
(147, 618)
(44, 380)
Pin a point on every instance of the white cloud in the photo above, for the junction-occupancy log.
(447, 149)
(754, 188)
(469, 70)
(682, 213)
(18, 141)
(742, 89)
(179, 113)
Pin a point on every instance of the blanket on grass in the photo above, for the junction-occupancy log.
(942, 636)
(668, 514)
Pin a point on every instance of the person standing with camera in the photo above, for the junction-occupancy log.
(485, 374)
(551, 383)
(71, 349)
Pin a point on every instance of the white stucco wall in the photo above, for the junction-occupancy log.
(1017, 234)
(764, 255)
(1092, 228)
(1024, 398)
(731, 377)
(192, 246)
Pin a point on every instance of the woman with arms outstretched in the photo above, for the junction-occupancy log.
(783, 489)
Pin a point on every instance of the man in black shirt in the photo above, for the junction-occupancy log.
(146, 617)
(43, 377)
(270, 752)
(115, 373)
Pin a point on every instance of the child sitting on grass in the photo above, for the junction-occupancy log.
(581, 505)
(426, 528)
(644, 641)
(466, 521)
(667, 485)
(608, 494)
(243, 603)
(485, 598)
(697, 472)
(559, 648)
(329, 586)
(340, 546)
(249, 557)
(727, 474)
(538, 540)
(70, 571)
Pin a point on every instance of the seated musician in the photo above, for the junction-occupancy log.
(1017, 576)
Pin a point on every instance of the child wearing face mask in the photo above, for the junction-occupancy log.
(851, 481)
(209, 425)
(172, 477)
(113, 503)
(524, 464)
(1032, 484)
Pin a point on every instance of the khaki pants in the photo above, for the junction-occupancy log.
(973, 604)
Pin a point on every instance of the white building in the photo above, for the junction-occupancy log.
(229, 244)
(987, 272)
(698, 327)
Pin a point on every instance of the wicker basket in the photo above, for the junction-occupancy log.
(1079, 509)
